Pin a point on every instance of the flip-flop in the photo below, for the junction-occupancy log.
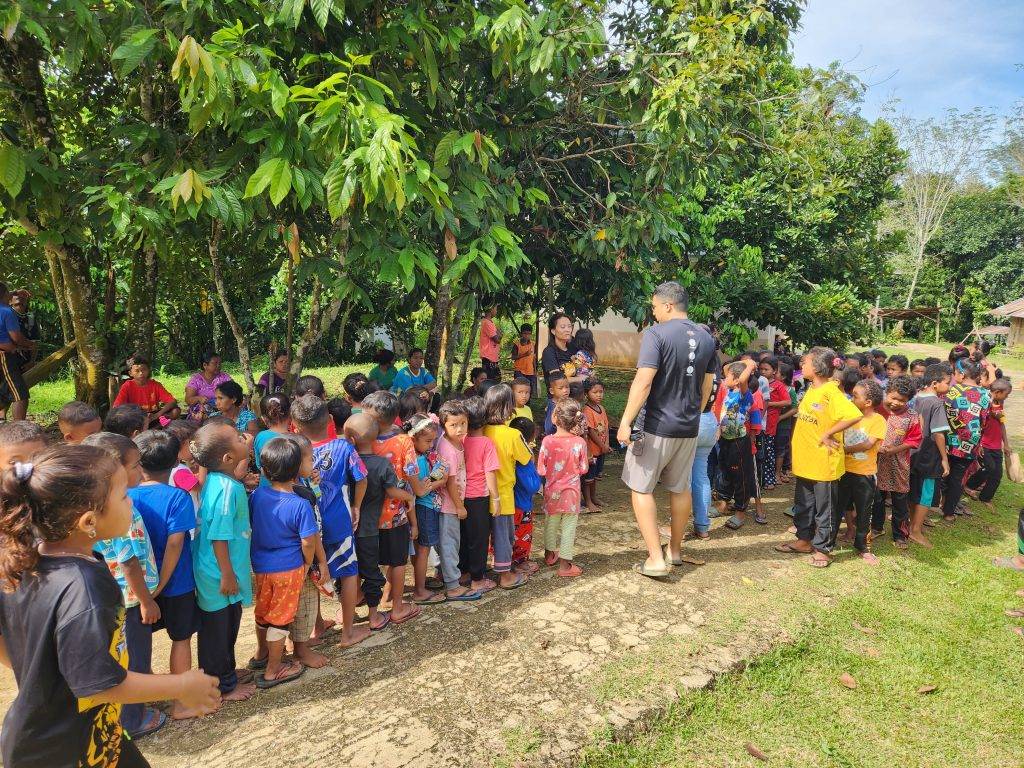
(551, 559)
(257, 665)
(520, 580)
(263, 683)
(434, 584)
(818, 562)
(155, 720)
(760, 519)
(734, 523)
(415, 613)
(651, 573)
(668, 557)
(1006, 562)
(789, 549)
(387, 622)
(434, 599)
(464, 598)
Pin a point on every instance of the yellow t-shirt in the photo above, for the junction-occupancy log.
(819, 411)
(524, 410)
(511, 450)
(870, 427)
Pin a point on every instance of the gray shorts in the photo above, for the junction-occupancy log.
(665, 459)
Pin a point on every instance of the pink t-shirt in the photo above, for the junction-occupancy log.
(481, 458)
(455, 459)
(488, 346)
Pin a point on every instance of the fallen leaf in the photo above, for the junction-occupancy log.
(865, 630)
(873, 653)
(755, 752)
(749, 582)
(927, 688)
(847, 679)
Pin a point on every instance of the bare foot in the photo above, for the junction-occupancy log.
(405, 611)
(425, 595)
(484, 585)
(241, 693)
(1018, 631)
(458, 592)
(179, 712)
(569, 570)
(869, 557)
(921, 540)
(323, 630)
(356, 636)
(791, 529)
(311, 658)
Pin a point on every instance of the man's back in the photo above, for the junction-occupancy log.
(682, 352)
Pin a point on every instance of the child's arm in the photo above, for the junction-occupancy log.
(394, 492)
(1006, 440)
(194, 689)
(421, 486)
(4, 659)
(828, 439)
(492, 491)
(137, 581)
(867, 445)
(455, 494)
(357, 501)
(778, 404)
(321, 562)
(228, 580)
(414, 528)
(172, 553)
(309, 548)
(940, 441)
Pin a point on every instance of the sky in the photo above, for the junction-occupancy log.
(929, 54)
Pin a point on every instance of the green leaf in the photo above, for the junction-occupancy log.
(321, 11)
(278, 94)
(12, 169)
(134, 51)
(430, 63)
(291, 12)
(261, 179)
(281, 183)
(422, 171)
(443, 150)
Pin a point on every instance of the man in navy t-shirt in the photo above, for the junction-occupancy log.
(13, 390)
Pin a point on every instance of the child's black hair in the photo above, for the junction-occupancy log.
(384, 357)
(76, 413)
(280, 459)
(309, 410)
(117, 446)
(416, 420)
(985, 346)
(452, 408)
(355, 386)
(589, 384)
(772, 362)
(901, 361)
(310, 385)
(486, 385)
(931, 361)
(1001, 384)
(936, 372)
(556, 376)
(915, 363)
(735, 369)
(17, 432)
(139, 359)
(522, 381)
(275, 408)
(526, 328)
(126, 420)
(959, 352)
(526, 427)
(584, 339)
(872, 390)
(410, 403)
(233, 390)
(500, 403)
(786, 374)
(473, 374)
(384, 404)
(158, 450)
(210, 443)
(969, 369)
(879, 353)
(183, 429)
(576, 390)
(340, 411)
(904, 386)
(413, 351)
(476, 412)
(849, 378)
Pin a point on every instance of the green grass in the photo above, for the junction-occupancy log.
(935, 618)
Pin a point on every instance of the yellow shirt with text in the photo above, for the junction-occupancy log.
(819, 411)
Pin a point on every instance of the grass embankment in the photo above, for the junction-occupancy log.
(933, 618)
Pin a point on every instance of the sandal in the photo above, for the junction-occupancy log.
(412, 615)
(820, 562)
(551, 558)
(521, 578)
(571, 572)
(434, 599)
(152, 722)
(789, 549)
(465, 597)
(651, 573)
(734, 523)
(387, 622)
(257, 665)
(760, 518)
(298, 670)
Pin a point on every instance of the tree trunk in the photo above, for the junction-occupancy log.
(442, 305)
(141, 313)
(93, 355)
(60, 296)
(218, 279)
(918, 263)
(454, 336)
(469, 342)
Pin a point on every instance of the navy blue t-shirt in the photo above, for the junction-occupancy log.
(8, 322)
(682, 353)
(166, 511)
(280, 521)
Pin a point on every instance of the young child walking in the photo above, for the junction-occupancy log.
(562, 463)
(511, 452)
(528, 483)
(481, 499)
(929, 463)
(283, 546)
(52, 512)
(597, 442)
(902, 435)
(818, 457)
(995, 444)
(451, 450)
(857, 485)
(220, 555)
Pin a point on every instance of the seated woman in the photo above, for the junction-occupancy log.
(201, 389)
(383, 373)
(230, 403)
(274, 380)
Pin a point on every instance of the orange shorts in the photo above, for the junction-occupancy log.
(277, 597)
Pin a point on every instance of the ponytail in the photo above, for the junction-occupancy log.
(44, 500)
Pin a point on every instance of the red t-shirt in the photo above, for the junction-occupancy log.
(753, 426)
(776, 391)
(149, 396)
(992, 432)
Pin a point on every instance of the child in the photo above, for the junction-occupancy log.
(127, 420)
(52, 512)
(967, 409)
(276, 410)
(994, 445)
(220, 557)
(149, 394)
(528, 483)
(897, 365)
(477, 376)
(284, 536)
(522, 390)
(78, 420)
(340, 410)
(558, 390)
(929, 463)
(398, 524)
(133, 566)
(861, 445)
(511, 452)
(585, 355)
(562, 462)
(354, 386)
(597, 442)
(450, 450)
(481, 499)
(784, 428)
(917, 368)
(183, 475)
(19, 442)
(524, 358)
(338, 465)
(737, 475)
(778, 400)
(818, 457)
(902, 434)
(431, 475)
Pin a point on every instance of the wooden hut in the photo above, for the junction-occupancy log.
(1014, 313)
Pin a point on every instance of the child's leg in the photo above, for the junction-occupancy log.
(900, 516)
(218, 632)
(395, 552)
(993, 474)
(878, 513)
(478, 530)
(826, 504)
(598, 470)
(304, 623)
(863, 498)
(551, 533)
(769, 462)
(925, 493)
(419, 573)
(588, 491)
(368, 555)
(954, 486)
(567, 545)
(450, 533)
(523, 543)
(428, 522)
(348, 593)
(271, 642)
(502, 533)
(139, 642)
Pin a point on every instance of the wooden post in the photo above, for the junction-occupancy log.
(938, 316)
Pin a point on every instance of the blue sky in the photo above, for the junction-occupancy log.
(930, 54)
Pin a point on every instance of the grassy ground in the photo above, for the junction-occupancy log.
(931, 619)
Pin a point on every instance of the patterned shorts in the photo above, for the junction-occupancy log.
(277, 597)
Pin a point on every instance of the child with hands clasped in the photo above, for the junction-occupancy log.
(597, 442)
(562, 462)
(430, 477)
(62, 616)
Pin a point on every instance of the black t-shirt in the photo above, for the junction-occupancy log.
(380, 476)
(64, 632)
(683, 353)
(554, 359)
(926, 460)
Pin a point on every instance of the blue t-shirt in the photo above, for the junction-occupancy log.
(261, 440)
(223, 516)
(527, 485)
(736, 414)
(279, 523)
(549, 424)
(165, 511)
(8, 322)
(423, 467)
(339, 465)
(405, 379)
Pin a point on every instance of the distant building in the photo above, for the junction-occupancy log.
(1014, 312)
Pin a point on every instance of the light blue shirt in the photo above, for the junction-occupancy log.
(223, 516)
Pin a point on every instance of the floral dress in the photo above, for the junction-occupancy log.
(562, 462)
(207, 389)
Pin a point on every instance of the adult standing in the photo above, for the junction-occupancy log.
(13, 342)
(490, 339)
(558, 355)
(29, 326)
(201, 389)
(673, 382)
